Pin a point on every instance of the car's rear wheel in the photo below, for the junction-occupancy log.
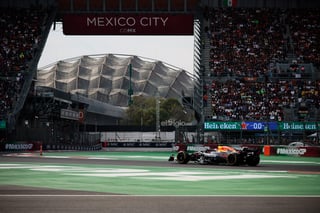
(183, 157)
(232, 159)
(253, 161)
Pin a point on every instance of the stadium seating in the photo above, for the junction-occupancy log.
(20, 34)
(263, 63)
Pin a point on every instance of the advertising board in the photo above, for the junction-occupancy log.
(128, 24)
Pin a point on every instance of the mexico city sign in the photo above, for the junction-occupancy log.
(128, 24)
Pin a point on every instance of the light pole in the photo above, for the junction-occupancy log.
(158, 115)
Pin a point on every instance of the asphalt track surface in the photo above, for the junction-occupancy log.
(32, 199)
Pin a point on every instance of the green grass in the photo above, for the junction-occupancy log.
(158, 180)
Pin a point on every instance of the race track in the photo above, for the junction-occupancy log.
(19, 198)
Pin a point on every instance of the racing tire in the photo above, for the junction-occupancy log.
(183, 157)
(232, 159)
(254, 161)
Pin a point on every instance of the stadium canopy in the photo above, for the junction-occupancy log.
(107, 78)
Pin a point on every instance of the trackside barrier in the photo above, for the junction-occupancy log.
(73, 147)
(39, 147)
(138, 144)
(267, 150)
(303, 151)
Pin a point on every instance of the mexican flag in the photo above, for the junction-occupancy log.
(230, 3)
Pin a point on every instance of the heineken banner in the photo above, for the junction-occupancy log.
(312, 126)
(261, 126)
(248, 125)
(222, 125)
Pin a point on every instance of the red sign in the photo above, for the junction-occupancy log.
(128, 24)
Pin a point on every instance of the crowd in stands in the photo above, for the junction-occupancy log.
(243, 41)
(10, 89)
(19, 36)
(240, 100)
(305, 30)
(245, 46)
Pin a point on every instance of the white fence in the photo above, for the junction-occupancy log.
(137, 136)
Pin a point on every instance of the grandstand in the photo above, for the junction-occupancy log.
(255, 61)
(107, 78)
(255, 50)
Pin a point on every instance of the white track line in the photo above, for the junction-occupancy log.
(91, 195)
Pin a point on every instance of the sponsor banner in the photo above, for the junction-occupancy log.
(311, 126)
(70, 114)
(128, 24)
(291, 151)
(72, 147)
(20, 146)
(197, 148)
(262, 126)
(171, 122)
(137, 144)
(298, 151)
(191, 147)
(220, 125)
(245, 125)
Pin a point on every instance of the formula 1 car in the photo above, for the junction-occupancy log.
(221, 155)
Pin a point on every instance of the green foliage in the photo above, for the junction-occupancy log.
(143, 111)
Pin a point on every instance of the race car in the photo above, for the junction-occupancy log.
(221, 155)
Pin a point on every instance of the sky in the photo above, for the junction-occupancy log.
(173, 50)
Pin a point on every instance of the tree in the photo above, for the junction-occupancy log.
(143, 111)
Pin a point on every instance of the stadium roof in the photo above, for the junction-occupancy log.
(106, 78)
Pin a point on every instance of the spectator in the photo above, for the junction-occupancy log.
(245, 45)
(19, 36)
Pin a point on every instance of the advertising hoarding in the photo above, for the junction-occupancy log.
(128, 24)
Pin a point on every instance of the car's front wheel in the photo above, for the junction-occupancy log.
(183, 157)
